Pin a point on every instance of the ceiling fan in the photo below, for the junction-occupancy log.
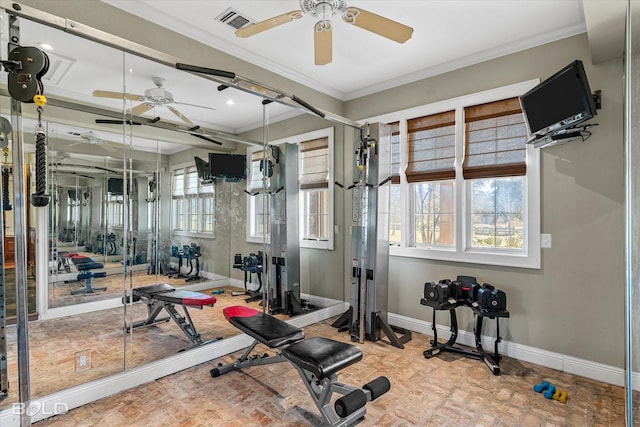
(153, 97)
(323, 44)
(90, 138)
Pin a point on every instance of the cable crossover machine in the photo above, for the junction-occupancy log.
(366, 317)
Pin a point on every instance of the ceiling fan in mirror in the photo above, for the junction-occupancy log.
(157, 96)
(324, 9)
(91, 138)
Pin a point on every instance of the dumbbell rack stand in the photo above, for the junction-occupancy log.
(491, 360)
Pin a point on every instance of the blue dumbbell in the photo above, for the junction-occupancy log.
(539, 388)
(549, 393)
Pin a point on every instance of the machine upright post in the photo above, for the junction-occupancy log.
(285, 250)
(367, 315)
(20, 228)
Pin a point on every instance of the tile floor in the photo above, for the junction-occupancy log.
(446, 390)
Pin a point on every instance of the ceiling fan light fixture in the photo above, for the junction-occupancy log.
(323, 8)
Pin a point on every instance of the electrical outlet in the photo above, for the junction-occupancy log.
(83, 360)
(545, 241)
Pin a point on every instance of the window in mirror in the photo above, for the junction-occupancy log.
(115, 209)
(316, 206)
(193, 203)
(316, 195)
(258, 224)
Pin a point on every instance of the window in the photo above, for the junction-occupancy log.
(395, 195)
(315, 149)
(315, 209)
(468, 188)
(258, 226)
(495, 161)
(193, 203)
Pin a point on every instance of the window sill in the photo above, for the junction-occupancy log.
(200, 235)
(317, 244)
(517, 260)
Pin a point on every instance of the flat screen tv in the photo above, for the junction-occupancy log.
(561, 102)
(115, 186)
(229, 167)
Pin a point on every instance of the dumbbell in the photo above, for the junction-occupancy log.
(539, 388)
(560, 396)
(549, 392)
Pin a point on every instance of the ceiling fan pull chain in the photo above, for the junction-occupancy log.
(40, 198)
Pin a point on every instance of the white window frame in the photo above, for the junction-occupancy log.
(529, 256)
(252, 199)
(200, 194)
(304, 243)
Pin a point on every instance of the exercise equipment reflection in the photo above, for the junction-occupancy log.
(317, 360)
(165, 297)
(190, 254)
(252, 264)
(85, 265)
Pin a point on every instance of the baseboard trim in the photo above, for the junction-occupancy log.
(572, 365)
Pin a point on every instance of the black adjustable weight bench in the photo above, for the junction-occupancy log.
(85, 265)
(316, 359)
(165, 297)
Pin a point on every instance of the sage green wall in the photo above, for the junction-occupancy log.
(573, 305)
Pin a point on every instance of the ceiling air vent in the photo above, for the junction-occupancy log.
(233, 18)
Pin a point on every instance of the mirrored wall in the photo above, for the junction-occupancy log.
(128, 209)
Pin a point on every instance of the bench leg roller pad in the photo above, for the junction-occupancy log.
(350, 403)
(377, 387)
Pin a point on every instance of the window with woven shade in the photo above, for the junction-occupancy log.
(255, 174)
(432, 147)
(314, 164)
(495, 140)
(193, 208)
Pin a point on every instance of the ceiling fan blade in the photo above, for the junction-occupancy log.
(142, 108)
(179, 114)
(117, 95)
(267, 24)
(193, 105)
(323, 42)
(377, 24)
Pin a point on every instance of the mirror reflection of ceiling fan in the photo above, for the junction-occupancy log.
(91, 138)
(324, 9)
(153, 97)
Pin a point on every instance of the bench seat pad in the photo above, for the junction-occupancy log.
(192, 298)
(322, 356)
(267, 329)
(169, 294)
(151, 290)
(89, 266)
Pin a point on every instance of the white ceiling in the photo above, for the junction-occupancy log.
(448, 34)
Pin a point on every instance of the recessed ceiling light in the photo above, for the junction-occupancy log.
(230, 102)
(45, 46)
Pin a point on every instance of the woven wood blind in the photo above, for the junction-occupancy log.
(314, 157)
(395, 152)
(255, 183)
(495, 140)
(431, 147)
